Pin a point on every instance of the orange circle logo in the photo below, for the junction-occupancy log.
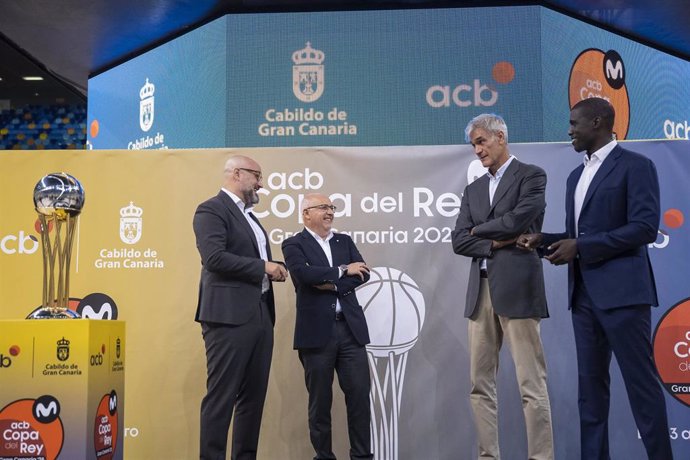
(94, 128)
(503, 72)
(105, 429)
(601, 74)
(673, 218)
(32, 428)
(672, 351)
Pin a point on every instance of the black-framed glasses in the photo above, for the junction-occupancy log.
(323, 207)
(256, 173)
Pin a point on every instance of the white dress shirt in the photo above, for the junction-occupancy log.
(494, 180)
(258, 233)
(592, 165)
(326, 246)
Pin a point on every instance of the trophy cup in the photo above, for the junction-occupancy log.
(58, 199)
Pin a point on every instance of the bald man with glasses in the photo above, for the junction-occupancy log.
(330, 331)
(236, 311)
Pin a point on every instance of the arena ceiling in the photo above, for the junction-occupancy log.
(66, 41)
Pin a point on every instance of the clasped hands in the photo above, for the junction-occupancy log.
(559, 253)
(276, 271)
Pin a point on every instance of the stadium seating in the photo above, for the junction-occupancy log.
(36, 127)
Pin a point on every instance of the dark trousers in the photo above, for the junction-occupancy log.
(349, 359)
(625, 332)
(238, 361)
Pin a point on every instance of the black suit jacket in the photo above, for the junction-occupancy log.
(308, 267)
(232, 268)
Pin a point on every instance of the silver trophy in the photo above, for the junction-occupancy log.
(58, 199)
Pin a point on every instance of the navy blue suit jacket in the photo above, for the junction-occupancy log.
(620, 216)
(309, 267)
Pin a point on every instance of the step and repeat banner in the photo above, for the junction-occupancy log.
(365, 78)
(390, 92)
(135, 260)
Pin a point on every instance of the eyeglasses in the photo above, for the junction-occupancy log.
(256, 173)
(323, 207)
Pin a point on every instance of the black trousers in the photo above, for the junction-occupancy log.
(349, 359)
(238, 361)
(624, 332)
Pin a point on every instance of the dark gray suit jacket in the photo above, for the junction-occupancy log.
(516, 280)
(232, 268)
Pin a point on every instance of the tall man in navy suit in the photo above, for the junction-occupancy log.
(236, 311)
(331, 330)
(505, 292)
(612, 213)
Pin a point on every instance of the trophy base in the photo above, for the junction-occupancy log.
(54, 313)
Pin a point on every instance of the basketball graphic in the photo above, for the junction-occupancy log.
(394, 308)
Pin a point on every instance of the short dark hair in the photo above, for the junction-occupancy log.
(598, 107)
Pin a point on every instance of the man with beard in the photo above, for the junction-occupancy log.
(330, 330)
(236, 311)
(612, 213)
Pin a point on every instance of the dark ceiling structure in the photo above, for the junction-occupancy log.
(65, 42)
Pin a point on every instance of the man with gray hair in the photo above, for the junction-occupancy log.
(505, 294)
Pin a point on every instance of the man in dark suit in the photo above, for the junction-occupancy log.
(505, 293)
(612, 213)
(330, 330)
(236, 311)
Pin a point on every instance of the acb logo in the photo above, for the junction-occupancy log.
(19, 244)
(5, 361)
(96, 360)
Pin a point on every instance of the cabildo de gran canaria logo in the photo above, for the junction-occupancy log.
(130, 223)
(307, 86)
(146, 117)
(307, 74)
(65, 367)
(62, 350)
(146, 106)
